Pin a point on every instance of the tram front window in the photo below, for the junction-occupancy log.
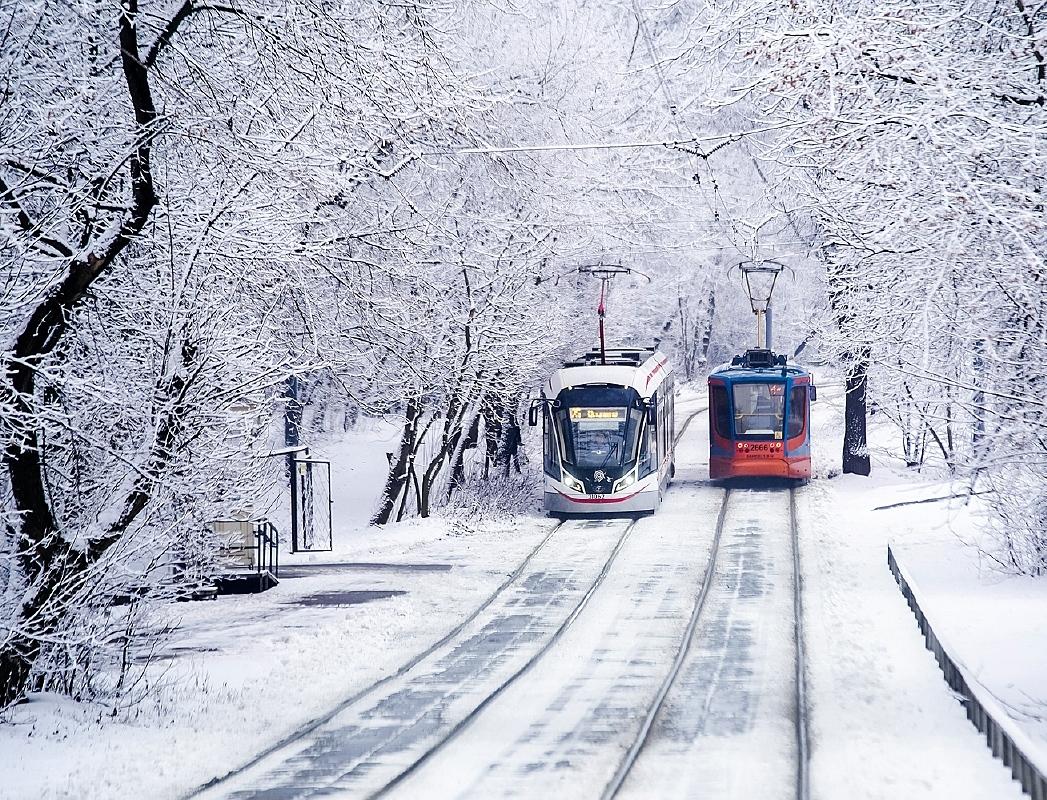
(599, 426)
(759, 409)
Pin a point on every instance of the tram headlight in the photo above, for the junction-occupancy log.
(625, 481)
(572, 482)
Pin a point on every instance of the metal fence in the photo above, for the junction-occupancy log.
(980, 711)
(311, 502)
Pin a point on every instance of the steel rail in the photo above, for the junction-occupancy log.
(686, 422)
(313, 724)
(491, 697)
(803, 776)
(626, 765)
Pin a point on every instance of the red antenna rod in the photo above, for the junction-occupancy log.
(601, 310)
(605, 272)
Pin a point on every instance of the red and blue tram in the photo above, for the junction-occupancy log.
(608, 421)
(759, 418)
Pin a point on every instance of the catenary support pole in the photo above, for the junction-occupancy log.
(767, 325)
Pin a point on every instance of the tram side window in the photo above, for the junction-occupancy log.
(721, 412)
(549, 446)
(662, 408)
(672, 412)
(657, 430)
(646, 448)
(797, 411)
(666, 405)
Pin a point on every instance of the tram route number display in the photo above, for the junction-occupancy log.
(602, 414)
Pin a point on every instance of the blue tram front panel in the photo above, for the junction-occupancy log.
(759, 422)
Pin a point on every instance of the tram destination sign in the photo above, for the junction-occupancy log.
(602, 414)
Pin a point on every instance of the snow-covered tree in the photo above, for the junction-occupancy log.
(914, 136)
(160, 167)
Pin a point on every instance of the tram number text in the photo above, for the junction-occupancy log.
(762, 449)
(597, 496)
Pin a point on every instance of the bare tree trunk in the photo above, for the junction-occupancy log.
(855, 446)
(492, 432)
(468, 442)
(399, 468)
(701, 357)
(509, 444)
(449, 441)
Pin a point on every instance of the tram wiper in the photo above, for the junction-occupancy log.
(610, 452)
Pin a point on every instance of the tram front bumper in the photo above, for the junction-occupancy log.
(627, 503)
(796, 467)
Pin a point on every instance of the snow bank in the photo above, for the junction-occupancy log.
(883, 722)
(989, 632)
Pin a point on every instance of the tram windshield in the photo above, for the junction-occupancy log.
(599, 426)
(759, 409)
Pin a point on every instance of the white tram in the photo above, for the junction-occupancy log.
(608, 422)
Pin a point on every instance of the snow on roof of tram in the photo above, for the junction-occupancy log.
(643, 368)
(613, 357)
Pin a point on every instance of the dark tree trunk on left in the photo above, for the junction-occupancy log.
(855, 446)
(49, 563)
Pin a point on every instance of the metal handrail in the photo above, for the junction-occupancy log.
(266, 544)
(267, 540)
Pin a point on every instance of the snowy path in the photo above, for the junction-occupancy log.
(540, 680)
(561, 731)
(731, 704)
(546, 692)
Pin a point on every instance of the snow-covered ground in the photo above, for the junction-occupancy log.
(994, 625)
(243, 673)
(884, 724)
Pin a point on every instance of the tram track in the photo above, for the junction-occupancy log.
(550, 642)
(687, 422)
(615, 784)
(803, 754)
(238, 783)
(799, 704)
(368, 743)
(568, 714)
(374, 687)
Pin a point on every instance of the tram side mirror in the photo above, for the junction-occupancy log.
(652, 414)
(814, 392)
(532, 413)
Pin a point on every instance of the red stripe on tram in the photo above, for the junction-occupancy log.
(597, 499)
